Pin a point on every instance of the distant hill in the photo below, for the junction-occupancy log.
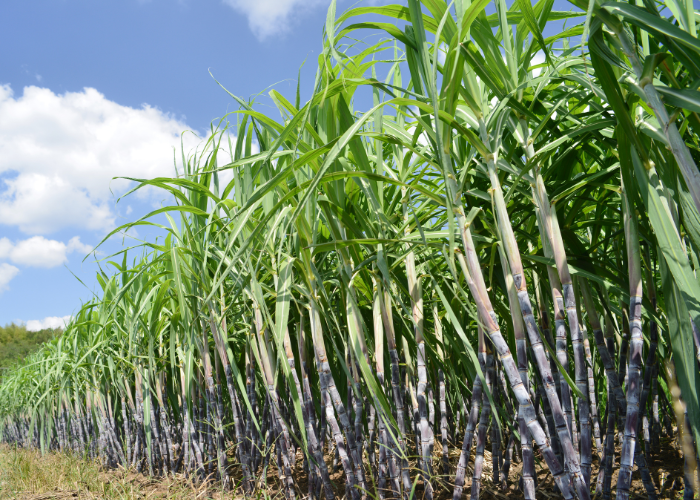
(16, 342)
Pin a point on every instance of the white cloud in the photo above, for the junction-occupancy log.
(7, 272)
(271, 17)
(538, 58)
(40, 252)
(34, 325)
(59, 153)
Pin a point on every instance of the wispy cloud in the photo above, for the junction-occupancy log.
(7, 272)
(268, 18)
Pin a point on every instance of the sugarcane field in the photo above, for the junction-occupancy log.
(467, 266)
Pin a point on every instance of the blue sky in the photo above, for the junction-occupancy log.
(94, 89)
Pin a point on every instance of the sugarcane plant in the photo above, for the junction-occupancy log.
(493, 255)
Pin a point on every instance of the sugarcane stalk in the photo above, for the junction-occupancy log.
(431, 406)
(119, 453)
(513, 253)
(508, 457)
(218, 330)
(192, 450)
(627, 454)
(540, 396)
(165, 426)
(595, 420)
(496, 437)
(528, 470)
(79, 428)
(642, 459)
(311, 430)
(160, 443)
(205, 425)
(605, 478)
(413, 410)
(371, 438)
(426, 433)
(140, 422)
(378, 330)
(264, 356)
(125, 423)
(561, 343)
(331, 398)
(356, 340)
(220, 446)
(553, 247)
(441, 388)
(606, 356)
(481, 297)
(624, 349)
(550, 233)
(472, 272)
(656, 423)
(486, 360)
(307, 412)
(354, 435)
(398, 437)
(358, 406)
(464, 456)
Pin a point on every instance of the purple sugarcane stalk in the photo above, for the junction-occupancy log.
(627, 453)
(487, 356)
(331, 399)
(461, 471)
(528, 470)
(477, 286)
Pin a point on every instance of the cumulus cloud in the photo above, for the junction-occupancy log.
(34, 325)
(272, 17)
(59, 153)
(40, 252)
(7, 272)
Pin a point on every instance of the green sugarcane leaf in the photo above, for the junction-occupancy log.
(471, 14)
(282, 306)
(653, 24)
(388, 28)
(515, 17)
(690, 215)
(683, 346)
(529, 18)
(681, 98)
(471, 54)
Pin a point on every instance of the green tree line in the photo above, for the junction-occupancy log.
(16, 342)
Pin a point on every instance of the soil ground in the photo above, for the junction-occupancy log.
(27, 475)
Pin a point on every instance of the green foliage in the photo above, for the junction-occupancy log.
(459, 158)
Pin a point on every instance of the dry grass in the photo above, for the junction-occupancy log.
(28, 475)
